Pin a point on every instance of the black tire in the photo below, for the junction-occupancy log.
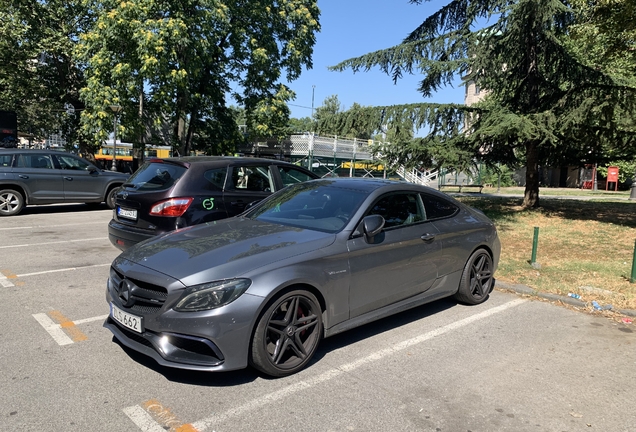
(11, 202)
(110, 197)
(287, 334)
(477, 279)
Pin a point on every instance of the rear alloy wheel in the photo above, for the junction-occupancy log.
(477, 279)
(110, 197)
(287, 334)
(11, 202)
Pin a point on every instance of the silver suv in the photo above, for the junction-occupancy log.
(29, 177)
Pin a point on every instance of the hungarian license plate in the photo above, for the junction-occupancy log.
(132, 322)
(127, 214)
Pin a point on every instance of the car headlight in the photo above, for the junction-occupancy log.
(211, 295)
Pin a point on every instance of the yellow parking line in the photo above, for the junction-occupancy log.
(9, 274)
(69, 326)
(164, 417)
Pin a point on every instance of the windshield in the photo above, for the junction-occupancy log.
(316, 205)
(155, 176)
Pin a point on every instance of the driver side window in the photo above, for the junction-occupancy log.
(72, 163)
(399, 209)
(251, 178)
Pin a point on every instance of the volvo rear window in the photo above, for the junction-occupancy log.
(156, 176)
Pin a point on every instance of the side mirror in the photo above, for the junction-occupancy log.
(372, 226)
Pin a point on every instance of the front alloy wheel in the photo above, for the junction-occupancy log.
(11, 202)
(287, 334)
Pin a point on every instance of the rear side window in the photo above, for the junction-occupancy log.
(32, 160)
(215, 178)
(5, 160)
(290, 175)
(437, 208)
(155, 176)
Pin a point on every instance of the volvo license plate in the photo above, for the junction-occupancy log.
(133, 322)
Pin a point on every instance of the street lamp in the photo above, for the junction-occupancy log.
(116, 110)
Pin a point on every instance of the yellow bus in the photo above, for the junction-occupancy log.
(124, 154)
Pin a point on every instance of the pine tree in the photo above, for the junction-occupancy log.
(543, 105)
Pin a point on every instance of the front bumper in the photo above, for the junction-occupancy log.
(215, 340)
(169, 349)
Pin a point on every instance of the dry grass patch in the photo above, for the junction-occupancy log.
(584, 247)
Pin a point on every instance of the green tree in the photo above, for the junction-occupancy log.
(39, 76)
(544, 105)
(605, 35)
(271, 116)
(299, 125)
(186, 56)
(325, 113)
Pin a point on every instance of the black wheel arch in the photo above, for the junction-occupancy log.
(275, 295)
(17, 188)
(110, 187)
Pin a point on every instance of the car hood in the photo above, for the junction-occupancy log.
(223, 249)
(114, 174)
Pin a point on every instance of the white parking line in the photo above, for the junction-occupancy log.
(87, 320)
(256, 403)
(50, 243)
(142, 419)
(62, 270)
(50, 226)
(6, 283)
(57, 330)
(54, 329)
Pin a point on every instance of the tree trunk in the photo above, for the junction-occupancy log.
(180, 127)
(531, 194)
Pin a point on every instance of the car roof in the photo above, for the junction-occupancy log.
(370, 184)
(222, 159)
(34, 150)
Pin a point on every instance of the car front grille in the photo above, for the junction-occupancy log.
(140, 297)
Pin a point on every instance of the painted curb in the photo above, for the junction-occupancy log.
(523, 289)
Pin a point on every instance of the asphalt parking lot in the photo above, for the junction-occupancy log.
(510, 364)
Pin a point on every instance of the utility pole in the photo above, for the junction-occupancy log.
(313, 91)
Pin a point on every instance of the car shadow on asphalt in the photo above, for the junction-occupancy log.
(375, 328)
(244, 376)
(209, 379)
(60, 208)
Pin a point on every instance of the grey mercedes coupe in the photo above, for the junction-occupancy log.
(310, 261)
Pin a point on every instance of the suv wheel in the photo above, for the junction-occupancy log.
(110, 197)
(11, 202)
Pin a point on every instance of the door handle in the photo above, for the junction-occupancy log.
(68, 178)
(238, 203)
(22, 176)
(428, 237)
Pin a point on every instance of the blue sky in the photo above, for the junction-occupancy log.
(351, 28)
